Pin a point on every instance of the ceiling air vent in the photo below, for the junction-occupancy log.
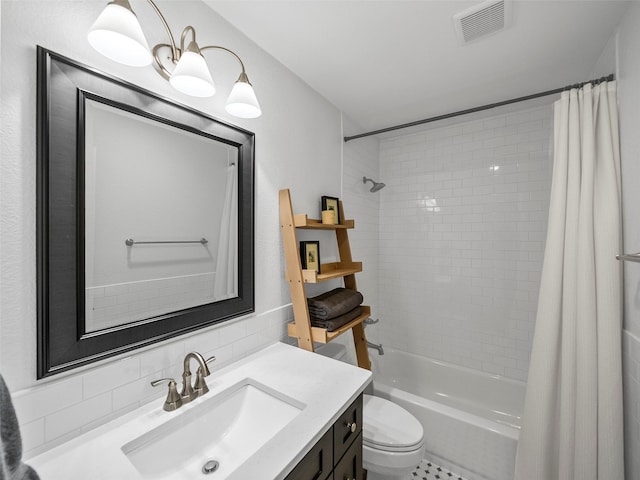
(483, 19)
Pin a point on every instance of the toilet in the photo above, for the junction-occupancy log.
(392, 438)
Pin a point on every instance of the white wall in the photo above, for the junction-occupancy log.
(628, 75)
(298, 146)
(462, 228)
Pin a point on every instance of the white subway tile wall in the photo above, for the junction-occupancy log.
(462, 230)
(631, 382)
(62, 408)
(115, 304)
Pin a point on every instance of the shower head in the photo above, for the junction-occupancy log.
(376, 185)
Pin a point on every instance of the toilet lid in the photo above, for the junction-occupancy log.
(387, 426)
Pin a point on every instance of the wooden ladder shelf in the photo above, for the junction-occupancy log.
(346, 269)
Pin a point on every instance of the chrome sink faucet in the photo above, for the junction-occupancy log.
(188, 391)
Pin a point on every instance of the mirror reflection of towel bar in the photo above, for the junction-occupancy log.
(130, 242)
(631, 257)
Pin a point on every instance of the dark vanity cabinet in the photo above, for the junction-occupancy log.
(338, 454)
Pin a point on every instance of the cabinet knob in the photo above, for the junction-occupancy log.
(351, 426)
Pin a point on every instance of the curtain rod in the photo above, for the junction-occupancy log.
(483, 107)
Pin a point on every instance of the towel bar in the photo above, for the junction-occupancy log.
(630, 257)
(129, 242)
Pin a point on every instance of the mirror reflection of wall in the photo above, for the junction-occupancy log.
(178, 186)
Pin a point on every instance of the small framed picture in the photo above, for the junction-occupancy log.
(331, 203)
(310, 255)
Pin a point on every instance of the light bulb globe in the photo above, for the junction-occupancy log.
(117, 35)
(242, 101)
(191, 76)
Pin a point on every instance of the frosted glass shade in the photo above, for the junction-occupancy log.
(242, 101)
(117, 35)
(191, 76)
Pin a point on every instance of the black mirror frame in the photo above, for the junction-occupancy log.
(63, 343)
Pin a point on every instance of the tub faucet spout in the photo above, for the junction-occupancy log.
(377, 347)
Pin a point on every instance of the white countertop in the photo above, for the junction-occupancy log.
(325, 386)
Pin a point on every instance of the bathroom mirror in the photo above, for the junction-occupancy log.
(145, 217)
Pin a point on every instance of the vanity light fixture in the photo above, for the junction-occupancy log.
(117, 35)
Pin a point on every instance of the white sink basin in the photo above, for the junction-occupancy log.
(227, 428)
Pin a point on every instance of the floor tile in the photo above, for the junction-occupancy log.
(430, 471)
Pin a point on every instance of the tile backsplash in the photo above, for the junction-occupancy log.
(462, 230)
(67, 405)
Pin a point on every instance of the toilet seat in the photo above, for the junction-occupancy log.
(389, 427)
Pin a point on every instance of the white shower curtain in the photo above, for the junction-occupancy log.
(226, 282)
(572, 426)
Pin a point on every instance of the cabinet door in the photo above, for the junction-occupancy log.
(347, 428)
(318, 463)
(350, 466)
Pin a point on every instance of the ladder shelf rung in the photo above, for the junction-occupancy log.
(331, 271)
(303, 221)
(322, 335)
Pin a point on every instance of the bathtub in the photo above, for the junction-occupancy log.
(471, 419)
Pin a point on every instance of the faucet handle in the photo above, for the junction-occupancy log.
(174, 400)
(204, 367)
(200, 386)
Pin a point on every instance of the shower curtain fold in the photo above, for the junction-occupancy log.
(226, 281)
(572, 426)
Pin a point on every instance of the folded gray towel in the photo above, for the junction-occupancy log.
(334, 303)
(337, 322)
(11, 466)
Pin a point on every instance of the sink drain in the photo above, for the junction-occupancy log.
(210, 467)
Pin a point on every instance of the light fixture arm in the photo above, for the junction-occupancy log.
(217, 47)
(183, 37)
(175, 51)
(175, 54)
